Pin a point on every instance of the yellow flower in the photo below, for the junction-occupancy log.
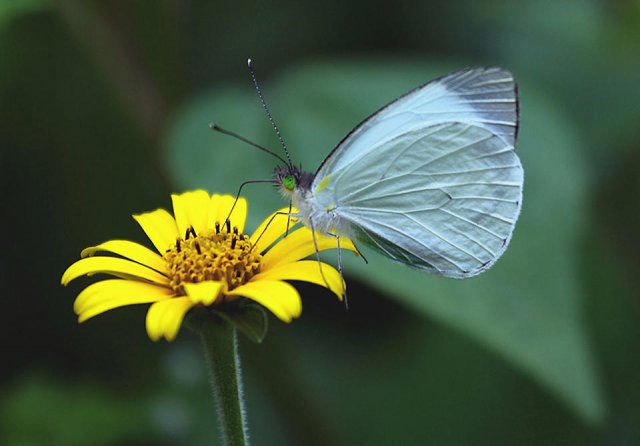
(204, 261)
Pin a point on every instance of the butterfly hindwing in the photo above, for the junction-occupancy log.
(443, 198)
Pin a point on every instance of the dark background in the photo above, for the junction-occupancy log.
(104, 109)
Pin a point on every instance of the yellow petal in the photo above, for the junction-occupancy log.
(160, 227)
(278, 297)
(220, 207)
(191, 209)
(273, 227)
(109, 294)
(114, 266)
(204, 293)
(306, 271)
(299, 244)
(130, 250)
(165, 317)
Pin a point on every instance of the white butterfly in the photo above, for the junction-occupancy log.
(430, 180)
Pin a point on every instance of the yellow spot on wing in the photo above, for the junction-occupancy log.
(323, 183)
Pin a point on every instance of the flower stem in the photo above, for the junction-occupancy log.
(220, 344)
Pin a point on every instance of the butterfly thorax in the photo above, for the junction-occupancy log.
(296, 185)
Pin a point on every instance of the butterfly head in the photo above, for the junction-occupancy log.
(291, 180)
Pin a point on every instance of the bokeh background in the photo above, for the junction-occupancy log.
(104, 109)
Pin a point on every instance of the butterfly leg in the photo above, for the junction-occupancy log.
(344, 288)
(315, 244)
(360, 253)
(288, 219)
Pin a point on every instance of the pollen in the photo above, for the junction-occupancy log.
(220, 254)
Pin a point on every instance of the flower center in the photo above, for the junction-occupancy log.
(219, 254)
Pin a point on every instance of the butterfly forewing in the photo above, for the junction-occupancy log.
(486, 97)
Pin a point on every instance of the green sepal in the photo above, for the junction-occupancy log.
(247, 317)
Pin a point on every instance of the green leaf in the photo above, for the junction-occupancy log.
(526, 308)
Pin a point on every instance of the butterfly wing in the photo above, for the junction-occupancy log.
(442, 194)
(486, 97)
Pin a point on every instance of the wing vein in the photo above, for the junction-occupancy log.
(409, 146)
(453, 214)
(481, 245)
(443, 238)
(486, 169)
(495, 216)
(479, 197)
(418, 242)
(453, 152)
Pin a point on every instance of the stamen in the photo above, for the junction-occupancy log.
(190, 232)
(213, 255)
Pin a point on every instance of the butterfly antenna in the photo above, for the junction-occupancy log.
(266, 109)
(215, 127)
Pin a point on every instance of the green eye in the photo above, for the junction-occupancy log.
(289, 182)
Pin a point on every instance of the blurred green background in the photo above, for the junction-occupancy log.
(104, 109)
